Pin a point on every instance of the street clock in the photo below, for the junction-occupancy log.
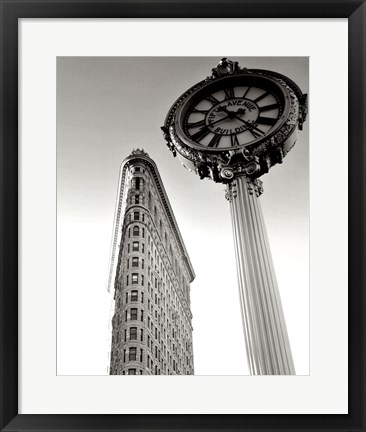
(236, 121)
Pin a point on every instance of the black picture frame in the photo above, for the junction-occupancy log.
(11, 11)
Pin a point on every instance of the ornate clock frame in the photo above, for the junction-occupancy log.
(253, 160)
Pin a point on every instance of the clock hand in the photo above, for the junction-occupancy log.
(217, 121)
(250, 125)
(231, 114)
(201, 133)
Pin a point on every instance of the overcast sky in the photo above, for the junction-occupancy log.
(106, 107)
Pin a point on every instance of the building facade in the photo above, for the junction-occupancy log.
(150, 274)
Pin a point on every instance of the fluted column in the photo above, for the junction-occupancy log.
(267, 344)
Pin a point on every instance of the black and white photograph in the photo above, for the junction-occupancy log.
(182, 216)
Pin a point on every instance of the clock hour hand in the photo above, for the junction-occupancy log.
(231, 114)
(250, 125)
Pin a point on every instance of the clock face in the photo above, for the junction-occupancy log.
(232, 112)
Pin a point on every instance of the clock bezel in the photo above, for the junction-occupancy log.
(262, 81)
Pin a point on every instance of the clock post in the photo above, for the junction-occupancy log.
(232, 127)
(268, 348)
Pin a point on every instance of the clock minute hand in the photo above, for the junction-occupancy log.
(217, 121)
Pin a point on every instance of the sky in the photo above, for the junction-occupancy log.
(108, 106)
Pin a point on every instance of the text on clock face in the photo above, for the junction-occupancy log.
(248, 115)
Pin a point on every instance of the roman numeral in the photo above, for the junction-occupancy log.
(268, 107)
(198, 136)
(197, 124)
(215, 141)
(256, 132)
(229, 93)
(234, 140)
(195, 110)
(212, 99)
(266, 120)
(262, 96)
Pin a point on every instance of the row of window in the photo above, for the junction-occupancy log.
(136, 216)
(133, 355)
(132, 333)
(135, 279)
(133, 315)
(135, 262)
(131, 372)
(136, 231)
(136, 247)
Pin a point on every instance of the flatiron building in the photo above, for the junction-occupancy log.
(150, 275)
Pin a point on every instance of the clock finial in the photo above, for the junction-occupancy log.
(225, 67)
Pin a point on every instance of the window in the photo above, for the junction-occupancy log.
(128, 264)
(124, 356)
(126, 297)
(143, 217)
(137, 169)
(137, 183)
(133, 314)
(132, 354)
(136, 231)
(142, 280)
(142, 264)
(133, 333)
(127, 280)
(141, 335)
(143, 232)
(125, 339)
(125, 316)
(135, 246)
(149, 200)
(135, 278)
(135, 262)
(134, 295)
(141, 355)
(142, 316)
(136, 215)
(143, 248)
(131, 371)
(142, 297)
(129, 232)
